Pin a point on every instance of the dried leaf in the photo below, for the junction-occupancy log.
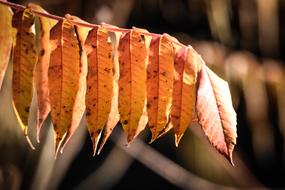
(99, 82)
(215, 112)
(133, 57)
(41, 68)
(6, 39)
(159, 84)
(114, 116)
(184, 93)
(24, 60)
(63, 76)
(79, 103)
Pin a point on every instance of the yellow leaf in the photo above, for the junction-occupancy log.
(41, 68)
(6, 39)
(63, 77)
(184, 91)
(24, 60)
(159, 84)
(99, 82)
(133, 57)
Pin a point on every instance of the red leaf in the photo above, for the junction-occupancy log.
(215, 112)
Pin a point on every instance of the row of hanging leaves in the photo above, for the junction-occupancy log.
(112, 75)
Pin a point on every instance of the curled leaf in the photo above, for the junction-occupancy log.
(24, 60)
(184, 91)
(79, 102)
(133, 57)
(41, 68)
(6, 39)
(159, 84)
(114, 116)
(215, 112)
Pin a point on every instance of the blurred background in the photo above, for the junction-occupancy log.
(242, 41)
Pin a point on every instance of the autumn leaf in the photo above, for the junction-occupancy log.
(215, 112)
(79, 103)
(133, 57)
(159, 84)
(24, 60)
(6, 39)
(184, 91)
(63, 77)
(99, 82)
(114, 116)
(41, 68)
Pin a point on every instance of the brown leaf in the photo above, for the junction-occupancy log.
(6, 39)
(184, 91)
(159, 84)
(24, 60)
(64, 78)
(215, 112)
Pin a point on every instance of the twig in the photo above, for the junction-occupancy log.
(78, 23)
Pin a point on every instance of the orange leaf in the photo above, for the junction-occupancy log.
(99, 82)
(215, 112)
(6, 39)
(114, 116)
(41, 68)
(133, 57)
(79, 103)
(24, 60)
(159, 84)
(184, 91)
(64, 78)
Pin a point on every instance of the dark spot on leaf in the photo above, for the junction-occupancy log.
(42, 52)
(27, 109)
(107, 69)
(125, 122)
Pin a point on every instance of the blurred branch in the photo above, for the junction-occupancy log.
(163, 166)
(268, 25)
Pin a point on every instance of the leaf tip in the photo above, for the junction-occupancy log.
(95, 141)
(30, 142)
(230, 153)
(152, 140)
(177, 139)
(28, 138)
(38, 136)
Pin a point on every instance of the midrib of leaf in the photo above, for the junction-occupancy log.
(97, 75)
(131, 84)
(158, 89)
(182, 85)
